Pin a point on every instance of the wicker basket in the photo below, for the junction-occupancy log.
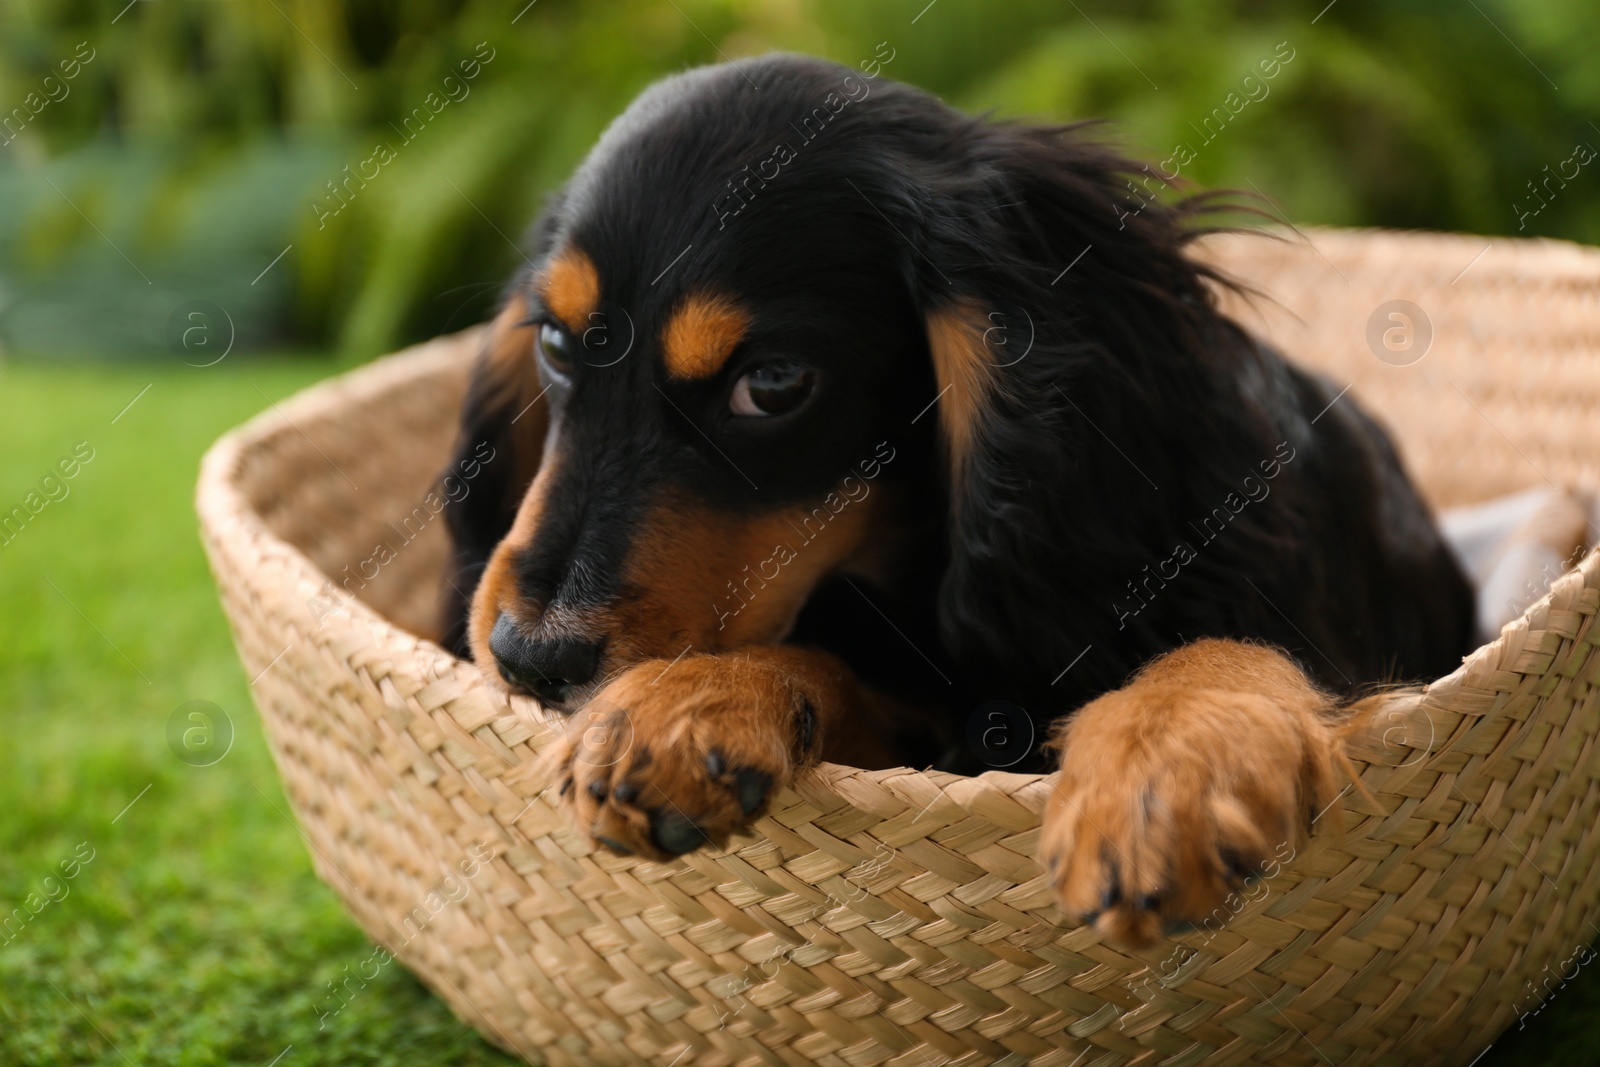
(898, 917)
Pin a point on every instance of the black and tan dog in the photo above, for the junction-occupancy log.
(827, 415)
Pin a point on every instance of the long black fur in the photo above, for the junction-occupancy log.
(1136, 422)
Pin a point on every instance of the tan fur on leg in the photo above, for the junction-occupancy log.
(1203, 772)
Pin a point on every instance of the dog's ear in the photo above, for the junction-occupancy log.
(497, 454)
(1062, 318)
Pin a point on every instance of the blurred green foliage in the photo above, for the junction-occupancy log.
(199, 138)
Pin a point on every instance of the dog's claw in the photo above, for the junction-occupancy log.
(806, 727)
(675, 833)
(615, 846)
(751, 786)
(1239, 870)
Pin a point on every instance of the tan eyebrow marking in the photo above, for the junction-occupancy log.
(569, 285)
(701, 335)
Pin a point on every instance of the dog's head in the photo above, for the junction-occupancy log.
(760, 329)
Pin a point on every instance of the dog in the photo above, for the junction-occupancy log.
(827, 417)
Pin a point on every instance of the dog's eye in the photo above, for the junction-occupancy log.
(771, 389)
(557, 345)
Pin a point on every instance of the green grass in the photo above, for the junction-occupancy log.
(198, 934)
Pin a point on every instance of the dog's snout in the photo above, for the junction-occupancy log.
(549, 668)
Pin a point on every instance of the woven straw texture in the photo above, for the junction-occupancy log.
(898, 917)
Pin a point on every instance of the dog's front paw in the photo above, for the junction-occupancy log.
(674, 755)
(1178, 789)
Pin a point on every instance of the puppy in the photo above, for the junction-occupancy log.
(835, 424)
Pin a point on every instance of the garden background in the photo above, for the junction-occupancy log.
(167, 159)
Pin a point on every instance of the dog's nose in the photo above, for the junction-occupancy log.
(550, 669)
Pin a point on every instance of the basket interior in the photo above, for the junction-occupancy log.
(348, 482)
(1504, 397)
